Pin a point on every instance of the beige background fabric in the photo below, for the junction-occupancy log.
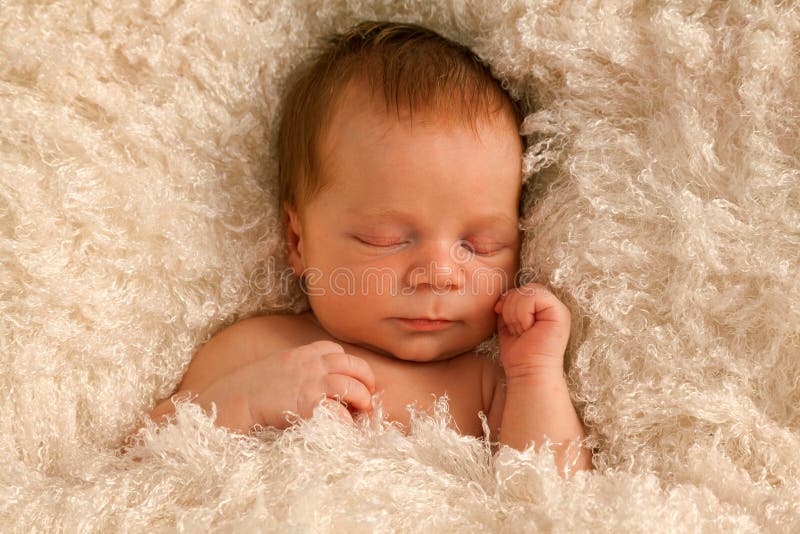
(138, 218)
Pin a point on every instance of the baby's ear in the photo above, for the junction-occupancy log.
(294, 240)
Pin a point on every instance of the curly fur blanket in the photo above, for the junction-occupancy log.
(137, 219)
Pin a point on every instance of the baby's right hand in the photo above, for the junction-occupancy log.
(294, 380)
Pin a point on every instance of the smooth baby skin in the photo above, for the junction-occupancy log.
(245, 371)
(417, 219)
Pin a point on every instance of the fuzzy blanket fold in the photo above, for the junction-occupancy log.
(137, 218)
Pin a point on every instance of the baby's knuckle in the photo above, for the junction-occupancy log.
(315, 366)
(326, 346)
(564, 309)
(329, 361)
(353, 362)
(528, 290)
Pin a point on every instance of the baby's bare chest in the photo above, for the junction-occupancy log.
(399, 383)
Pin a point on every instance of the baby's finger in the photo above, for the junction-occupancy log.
(347, 389)
(321, 346)
(548, 307)
(509, 313)
(502, 327)
(498, 306)
(525, 313)
(347, 364)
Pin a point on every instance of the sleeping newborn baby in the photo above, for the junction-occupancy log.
(400, 180)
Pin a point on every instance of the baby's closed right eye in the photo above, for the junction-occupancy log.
(380, 241)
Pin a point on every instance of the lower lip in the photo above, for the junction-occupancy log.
(425, 324)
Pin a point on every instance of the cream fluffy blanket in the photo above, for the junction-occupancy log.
(137, 218)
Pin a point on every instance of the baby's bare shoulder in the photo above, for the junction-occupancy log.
(244, 342)
(276, 321)
(279, 331)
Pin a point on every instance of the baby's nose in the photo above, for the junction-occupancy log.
(435, 265)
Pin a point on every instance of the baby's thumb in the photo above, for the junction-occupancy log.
(498, 306)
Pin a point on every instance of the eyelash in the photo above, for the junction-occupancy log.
(380, 245)
(478, 252)
(388, 245)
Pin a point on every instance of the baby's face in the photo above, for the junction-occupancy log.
(415, 221)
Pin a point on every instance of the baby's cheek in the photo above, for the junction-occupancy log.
(488, 282)
(484, 318)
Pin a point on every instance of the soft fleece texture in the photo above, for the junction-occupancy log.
(138, 218)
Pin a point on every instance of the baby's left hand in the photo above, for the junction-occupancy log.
(533, 328)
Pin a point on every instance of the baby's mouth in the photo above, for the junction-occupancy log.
(425, 323)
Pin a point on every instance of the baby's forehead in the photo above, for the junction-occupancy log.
(360, 98)
(381, 192)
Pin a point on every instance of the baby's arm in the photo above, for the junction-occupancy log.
(533, 329)
(249, 387)
(230, 349)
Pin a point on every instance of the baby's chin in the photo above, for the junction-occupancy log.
(416, 347)
(416, 354)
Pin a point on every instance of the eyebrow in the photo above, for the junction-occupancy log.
(391, 213)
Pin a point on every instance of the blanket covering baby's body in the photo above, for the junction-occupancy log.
(138, 217)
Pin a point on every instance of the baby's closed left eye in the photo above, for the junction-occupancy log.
(482, 246)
